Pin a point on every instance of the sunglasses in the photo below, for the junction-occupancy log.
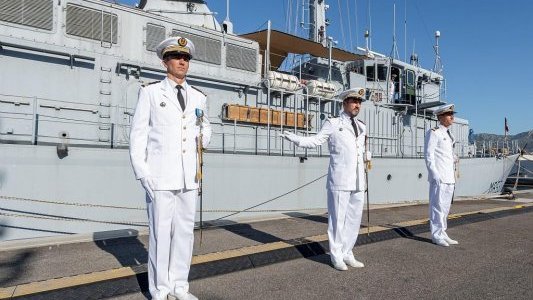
(178, 56)
(353, 100)
(448, 114)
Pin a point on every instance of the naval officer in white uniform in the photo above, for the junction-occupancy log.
(440, 161)
(346, 176)
(163, 151)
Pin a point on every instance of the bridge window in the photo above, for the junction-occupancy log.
(92, 24)
(382, 72)
(370, 73)
(410, 78)
(33, 13)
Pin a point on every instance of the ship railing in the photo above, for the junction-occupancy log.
(41, 125)
(74, 59)
(228, 137)
(387, 145)
(252, 139)
(495, 148)
(117, 137)
(29, 100)
(36, 120)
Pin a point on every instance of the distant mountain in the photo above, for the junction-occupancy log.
(523, 138)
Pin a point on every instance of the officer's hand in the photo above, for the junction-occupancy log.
(148, 186)
(436, 180)
(368, 156)
(288, 136)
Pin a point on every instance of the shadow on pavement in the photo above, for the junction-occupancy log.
(315, 218)
(129, 252)
(302, 247)
(247, 231)
(13, 264)
(406, 233)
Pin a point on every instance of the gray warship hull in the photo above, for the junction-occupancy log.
(95, 191)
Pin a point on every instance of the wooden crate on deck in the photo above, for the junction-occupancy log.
(276, 117)
(289, 119)
(301, 120)
(254, 115)
(263, 116)
(232, 112)
(241, 113)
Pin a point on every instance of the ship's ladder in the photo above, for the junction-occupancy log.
(104, 118)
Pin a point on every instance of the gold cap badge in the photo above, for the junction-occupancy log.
(182, 42)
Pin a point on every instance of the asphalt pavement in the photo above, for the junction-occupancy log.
(494, 260)
(284, 259)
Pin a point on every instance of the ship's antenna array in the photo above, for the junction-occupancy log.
(288, 16)
(367, 38)
(341, 23)
(394, 52)
(369, 31)
(349, 24)
(437, 67)
(405, 32)
(414, 56)
(356, 25)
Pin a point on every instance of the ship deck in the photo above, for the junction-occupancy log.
(286, 259)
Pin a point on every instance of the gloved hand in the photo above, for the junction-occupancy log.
(289, 136)
(367, 156)
(148, 186)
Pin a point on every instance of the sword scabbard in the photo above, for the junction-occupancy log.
(200, 152)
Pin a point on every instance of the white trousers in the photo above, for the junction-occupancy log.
(345, 209)
(171, 224)
(440, 200)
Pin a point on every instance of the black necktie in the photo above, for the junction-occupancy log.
(354, 127)
(180, 97)
(451, 137)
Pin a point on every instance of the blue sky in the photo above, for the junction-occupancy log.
(485, 46)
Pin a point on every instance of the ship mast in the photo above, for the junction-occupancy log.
(318, 21)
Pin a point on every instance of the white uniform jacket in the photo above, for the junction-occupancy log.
(163, 137)
(438, 152)
(346, 165)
